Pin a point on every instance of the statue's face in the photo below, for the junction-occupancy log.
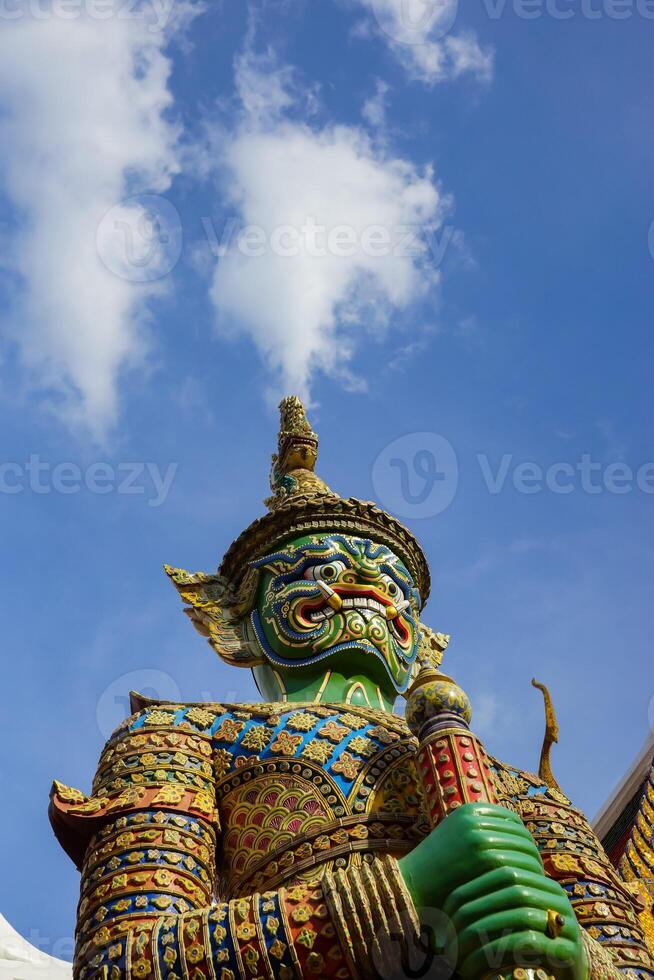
(331, 595)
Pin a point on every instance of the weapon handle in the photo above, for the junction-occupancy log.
(454, 769)
(453, 766)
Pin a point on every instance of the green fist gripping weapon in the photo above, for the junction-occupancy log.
(452, 763)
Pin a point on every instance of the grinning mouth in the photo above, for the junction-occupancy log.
(355, 602)
(318, 611)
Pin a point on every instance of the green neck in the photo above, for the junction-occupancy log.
(323, 685)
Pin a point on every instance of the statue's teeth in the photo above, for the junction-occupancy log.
(363, 602)
(319, 614)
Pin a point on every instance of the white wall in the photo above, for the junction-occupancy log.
(21, 961)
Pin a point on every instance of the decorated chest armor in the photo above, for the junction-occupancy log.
(262, 840)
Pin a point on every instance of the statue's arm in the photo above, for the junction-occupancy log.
(146, 844)
(573, 856)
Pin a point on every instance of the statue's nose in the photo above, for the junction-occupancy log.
(368, 572)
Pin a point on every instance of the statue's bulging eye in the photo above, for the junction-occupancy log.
(392, 588)
(325, 573)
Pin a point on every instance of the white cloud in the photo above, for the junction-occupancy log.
(263, 86)
(82, 110)
(420, 35)
(315, 194)
(374, 108)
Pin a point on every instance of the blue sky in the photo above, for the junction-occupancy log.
(517, 327)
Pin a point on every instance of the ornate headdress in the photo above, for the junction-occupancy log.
(301, 503)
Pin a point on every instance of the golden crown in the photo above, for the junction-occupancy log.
(302, 503)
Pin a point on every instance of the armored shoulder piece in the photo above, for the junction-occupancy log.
(159, 757)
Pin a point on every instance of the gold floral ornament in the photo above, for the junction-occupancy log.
(318, 751)
(347, 765)
(67, 794)
(201, 717)
(170, 794)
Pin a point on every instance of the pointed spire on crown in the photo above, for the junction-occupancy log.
(297, 443)
(292, 472)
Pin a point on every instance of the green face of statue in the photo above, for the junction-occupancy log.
(334, 596)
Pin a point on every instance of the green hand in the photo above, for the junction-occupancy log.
(482, 868)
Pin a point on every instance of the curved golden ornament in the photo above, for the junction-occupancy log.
(551, 736)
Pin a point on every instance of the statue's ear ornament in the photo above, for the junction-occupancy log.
(219, 612)
(431, 650)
